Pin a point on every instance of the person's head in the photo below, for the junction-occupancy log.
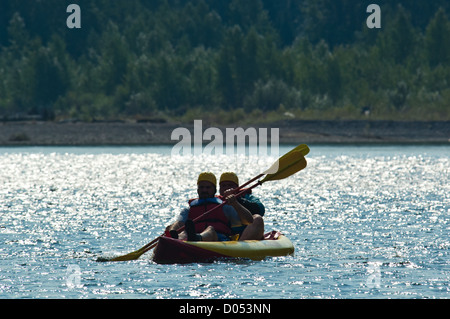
(228, 180)
(206, 185)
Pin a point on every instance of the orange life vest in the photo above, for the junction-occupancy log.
(216, 218)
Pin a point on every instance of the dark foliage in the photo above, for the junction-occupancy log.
(148, 58)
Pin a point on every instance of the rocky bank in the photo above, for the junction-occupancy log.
(290, 132)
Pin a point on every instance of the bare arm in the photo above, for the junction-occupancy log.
(244, 214)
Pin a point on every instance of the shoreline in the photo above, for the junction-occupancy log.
(36, 133)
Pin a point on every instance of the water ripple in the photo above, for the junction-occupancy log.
(365, 222)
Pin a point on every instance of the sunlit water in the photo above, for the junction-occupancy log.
(366, 222)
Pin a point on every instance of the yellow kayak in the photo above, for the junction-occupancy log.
(171, 250)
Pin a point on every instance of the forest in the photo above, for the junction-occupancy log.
(236, 61)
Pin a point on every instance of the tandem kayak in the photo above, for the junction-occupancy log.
(171, 251)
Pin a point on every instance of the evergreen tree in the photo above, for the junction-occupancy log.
(49, 78)
(397, 41)
(437, 43)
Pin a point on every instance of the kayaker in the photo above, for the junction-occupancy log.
(214, 226)
(246, 203)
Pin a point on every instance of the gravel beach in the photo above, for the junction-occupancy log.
(290, 132)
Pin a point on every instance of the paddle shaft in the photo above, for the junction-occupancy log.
(250, 181)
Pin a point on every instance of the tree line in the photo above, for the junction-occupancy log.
(225, 60)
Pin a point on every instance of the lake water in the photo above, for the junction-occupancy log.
(366, 222)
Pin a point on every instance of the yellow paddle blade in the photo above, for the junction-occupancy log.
(302, 148)
(287, 165)
(131, 256)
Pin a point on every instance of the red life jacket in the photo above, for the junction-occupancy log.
(216, 218)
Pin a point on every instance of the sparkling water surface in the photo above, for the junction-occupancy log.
(366, 222)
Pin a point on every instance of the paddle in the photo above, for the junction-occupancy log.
(287, 165)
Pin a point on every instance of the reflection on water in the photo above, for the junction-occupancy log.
(365, 222)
